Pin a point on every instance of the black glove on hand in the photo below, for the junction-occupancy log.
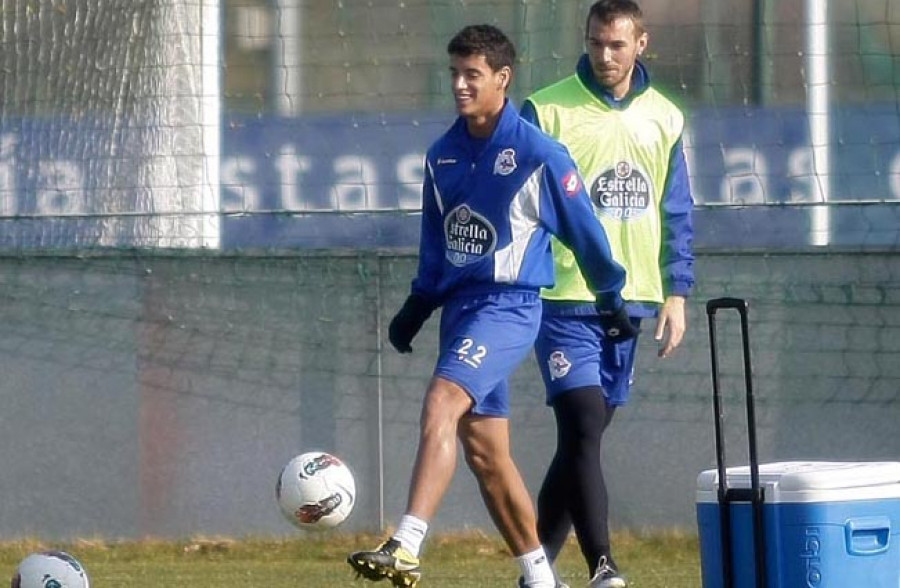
(406, 324)
(616, 325)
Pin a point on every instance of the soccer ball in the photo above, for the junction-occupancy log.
(50, 569)
(316, 490)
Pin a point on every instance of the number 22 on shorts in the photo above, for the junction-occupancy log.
(470, 353)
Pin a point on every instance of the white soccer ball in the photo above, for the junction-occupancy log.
(50, 569)
(316, 490)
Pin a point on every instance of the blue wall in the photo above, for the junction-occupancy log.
(283, 179)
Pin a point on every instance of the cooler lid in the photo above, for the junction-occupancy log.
(810, 481)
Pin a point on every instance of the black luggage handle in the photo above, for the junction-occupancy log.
(726, 495)
(718, 303)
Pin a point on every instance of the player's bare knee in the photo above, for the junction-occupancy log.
(485, 462)
(446, 400)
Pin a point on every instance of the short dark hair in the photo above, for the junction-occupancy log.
(487, 40)
(606, 11)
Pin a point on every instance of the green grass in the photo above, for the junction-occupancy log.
(467, 560)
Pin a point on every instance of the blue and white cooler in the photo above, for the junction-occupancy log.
(826, 525)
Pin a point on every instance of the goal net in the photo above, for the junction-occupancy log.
(110, 132)
(283, 124)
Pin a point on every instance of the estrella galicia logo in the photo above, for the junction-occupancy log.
(469, 236)
(317, 464)
(622, 193)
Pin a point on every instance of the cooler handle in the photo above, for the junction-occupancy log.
(867, 535)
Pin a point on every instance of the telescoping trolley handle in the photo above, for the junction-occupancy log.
(727, 495)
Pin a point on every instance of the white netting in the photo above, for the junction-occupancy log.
(106, 123)
(113, 113)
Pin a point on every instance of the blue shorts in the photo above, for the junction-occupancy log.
(483, 340)
(571, 354)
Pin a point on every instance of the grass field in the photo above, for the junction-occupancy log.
(470, 560)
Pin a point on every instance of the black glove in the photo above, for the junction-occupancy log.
(617, 326)
(408, 321)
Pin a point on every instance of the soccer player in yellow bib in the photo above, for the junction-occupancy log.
(626, 139)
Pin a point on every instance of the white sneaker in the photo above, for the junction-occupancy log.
(606, 576)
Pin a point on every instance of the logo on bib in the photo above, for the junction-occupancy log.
(622, 193)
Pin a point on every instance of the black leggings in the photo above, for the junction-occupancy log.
(573, 491)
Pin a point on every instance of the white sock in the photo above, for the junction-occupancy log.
(411, 533)
(536, 569)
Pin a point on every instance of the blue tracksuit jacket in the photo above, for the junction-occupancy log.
(489, 208)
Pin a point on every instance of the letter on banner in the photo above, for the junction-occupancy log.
(745, 177)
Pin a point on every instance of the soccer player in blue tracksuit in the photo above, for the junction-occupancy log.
(496, 188)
